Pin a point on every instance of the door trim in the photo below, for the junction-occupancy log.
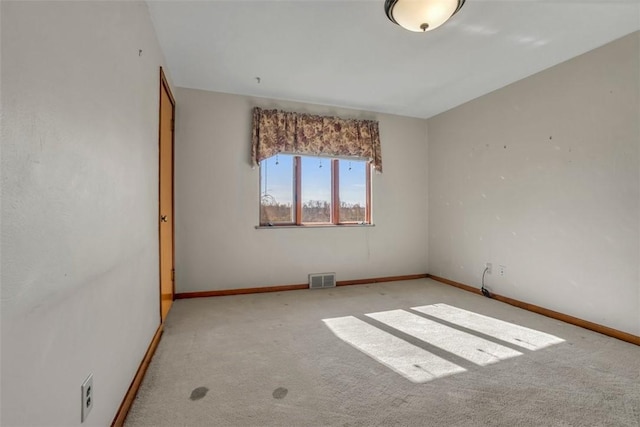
(164, 84)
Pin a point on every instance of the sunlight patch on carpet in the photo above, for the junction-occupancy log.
(419, 365)
(470, 347)
(504, 331)
(408, 360)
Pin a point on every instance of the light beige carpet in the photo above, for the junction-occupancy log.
(396, 354)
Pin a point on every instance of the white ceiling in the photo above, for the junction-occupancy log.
(348, 54)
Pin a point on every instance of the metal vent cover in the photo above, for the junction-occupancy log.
(322, 280)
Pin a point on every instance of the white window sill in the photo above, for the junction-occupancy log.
(275, 227)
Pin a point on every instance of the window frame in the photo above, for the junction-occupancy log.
(335, 197)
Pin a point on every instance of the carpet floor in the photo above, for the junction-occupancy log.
(414, 353)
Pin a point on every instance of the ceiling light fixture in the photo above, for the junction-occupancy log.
(421, 15)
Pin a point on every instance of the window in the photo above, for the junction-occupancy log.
(308, 190)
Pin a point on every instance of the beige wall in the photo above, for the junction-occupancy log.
(217, 201)
(79, 228)
(543, 177)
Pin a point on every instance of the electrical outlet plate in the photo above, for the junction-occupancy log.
(489, 267)
(502, 269)
(87, 397)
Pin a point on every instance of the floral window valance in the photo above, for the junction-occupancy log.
(276, 131)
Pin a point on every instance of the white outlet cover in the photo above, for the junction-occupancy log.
(87, 397)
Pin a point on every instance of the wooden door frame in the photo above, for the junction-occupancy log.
(165, 85)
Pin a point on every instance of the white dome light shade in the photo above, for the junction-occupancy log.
(421, 15)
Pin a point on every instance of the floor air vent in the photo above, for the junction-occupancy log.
(322, 280)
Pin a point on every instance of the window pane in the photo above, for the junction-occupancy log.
(276, 189)
(353, 190)
(316, 189)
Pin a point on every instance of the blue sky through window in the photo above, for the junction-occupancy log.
(353, 186)
(316, 179)
(277, 179)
